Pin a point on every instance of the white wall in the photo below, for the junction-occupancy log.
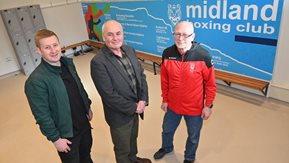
(280, 82)
(8, 60)
(6, 4)
(66, 19)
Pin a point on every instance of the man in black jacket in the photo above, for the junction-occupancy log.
(59, 102)
(121, 83)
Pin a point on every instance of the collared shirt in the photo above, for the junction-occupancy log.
(126, 64)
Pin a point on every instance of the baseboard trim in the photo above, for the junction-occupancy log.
(279, 92)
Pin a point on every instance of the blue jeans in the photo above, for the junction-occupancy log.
(170, 124)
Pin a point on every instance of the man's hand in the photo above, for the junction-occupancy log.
(164, 106)
(62, 145)
(89, 115)
(206, 113)
(140, 107)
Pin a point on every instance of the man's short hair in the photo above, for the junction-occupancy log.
(43, 33)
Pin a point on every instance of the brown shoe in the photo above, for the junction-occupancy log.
(143, 160)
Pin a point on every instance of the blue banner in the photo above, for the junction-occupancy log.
(241, 35)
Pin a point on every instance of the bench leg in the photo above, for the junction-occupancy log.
(155, 71)
(228, 83)
(265, 90)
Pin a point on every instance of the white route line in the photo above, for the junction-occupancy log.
(147, 12)
(212, 49)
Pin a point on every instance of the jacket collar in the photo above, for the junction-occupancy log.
(106, 50)
(56, 69)
(112, 58)
(194, 46)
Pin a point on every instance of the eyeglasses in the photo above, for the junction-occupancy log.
(178, 35)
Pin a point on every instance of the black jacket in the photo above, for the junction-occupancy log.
(115, 87)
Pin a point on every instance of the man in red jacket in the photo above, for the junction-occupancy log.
(188, 89)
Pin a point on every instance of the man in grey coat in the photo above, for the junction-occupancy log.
(119, 79)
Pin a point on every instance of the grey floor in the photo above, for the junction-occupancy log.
(244, 128)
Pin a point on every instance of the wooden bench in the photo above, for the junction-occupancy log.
(230, 78)
(227, 77)
(74, 46)
(94, 44)
(156, 60)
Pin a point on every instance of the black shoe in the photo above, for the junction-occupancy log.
(189, 161)
(160, 154)
(143, 160)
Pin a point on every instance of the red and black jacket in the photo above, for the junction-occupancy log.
(187, 81)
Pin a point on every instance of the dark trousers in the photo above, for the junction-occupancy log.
(124, 139)
(80, 148)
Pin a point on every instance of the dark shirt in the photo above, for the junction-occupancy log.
(78, 113)
(126, 64)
